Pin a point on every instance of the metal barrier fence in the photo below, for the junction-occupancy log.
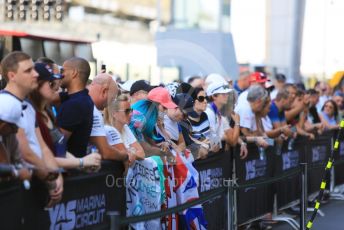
(227, 187)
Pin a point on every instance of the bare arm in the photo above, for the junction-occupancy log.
(27, 152)
(293, 112)
(181, 143)
(140, 154)
(70, 161)
(150, 150)
(326, 124)
(108, 152)
(48, 156)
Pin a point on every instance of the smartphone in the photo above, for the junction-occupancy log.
(103, 68)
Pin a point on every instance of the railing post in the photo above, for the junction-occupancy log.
(304, 196)
(114, 220)
(230, 205)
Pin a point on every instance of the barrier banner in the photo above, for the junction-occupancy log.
(317, 153)
(339, 169)
(10, 205)
(287, 161)
(212, 173)
(254, 201)
(86, 199)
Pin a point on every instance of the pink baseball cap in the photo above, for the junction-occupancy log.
(161, 96)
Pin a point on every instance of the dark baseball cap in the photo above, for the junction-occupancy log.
(280, 77)
(184, 102)
(140, 85)
(46, 73)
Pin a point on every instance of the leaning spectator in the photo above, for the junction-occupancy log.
(199, 119)
(18, 70)
(144, 118)
(339, 100)
(276, 114)
(196, 81)
(170, 128)
(10, 113)
(139, 90)
(218, 95)
(242, 83)
(324, 91)
(313, 122)
(252, 126)
(297, 105)
(279, 84)
(199, 128)
(329, 114)
(48, 86)
(76, 110)
(103, 90)
(117, 117)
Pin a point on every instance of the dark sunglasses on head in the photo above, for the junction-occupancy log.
(127, 111)
(202, 98)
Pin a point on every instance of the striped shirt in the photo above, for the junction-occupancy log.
(200, 129)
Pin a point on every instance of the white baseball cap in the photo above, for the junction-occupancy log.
(218, 87)
(126, 85)
(214, 77)
(10, 109)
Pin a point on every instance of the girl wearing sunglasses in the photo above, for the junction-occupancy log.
(117, 118)
(200, 126)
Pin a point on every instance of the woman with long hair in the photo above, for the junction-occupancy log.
(329, 114)
(41, 98)
(117, 118)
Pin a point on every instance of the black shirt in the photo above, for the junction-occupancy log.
(76, 115)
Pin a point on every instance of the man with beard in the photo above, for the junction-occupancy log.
(75, 114)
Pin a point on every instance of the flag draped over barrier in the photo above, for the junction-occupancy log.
(143, 192)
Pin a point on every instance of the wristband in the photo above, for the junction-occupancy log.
(81, 163)
(15, 172)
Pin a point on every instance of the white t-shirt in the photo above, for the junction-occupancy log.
(114, 137)
(171, 128)
(273, 94)
(127, 136)
(242, 99)
(243, 108)
(98, 124)
(267, 124)
(247, 117)
(216, 126)
(28, 123)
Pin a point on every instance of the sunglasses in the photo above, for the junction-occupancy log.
(127, 111)
(202, 98)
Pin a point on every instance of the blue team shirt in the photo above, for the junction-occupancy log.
(76, 115)
(275, 115)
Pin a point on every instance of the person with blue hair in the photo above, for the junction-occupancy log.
(145, 117)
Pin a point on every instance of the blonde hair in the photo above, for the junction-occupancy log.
(114, 106)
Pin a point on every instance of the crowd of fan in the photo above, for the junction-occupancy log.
(53, 117)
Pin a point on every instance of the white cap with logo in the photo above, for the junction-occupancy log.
(218, 87)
